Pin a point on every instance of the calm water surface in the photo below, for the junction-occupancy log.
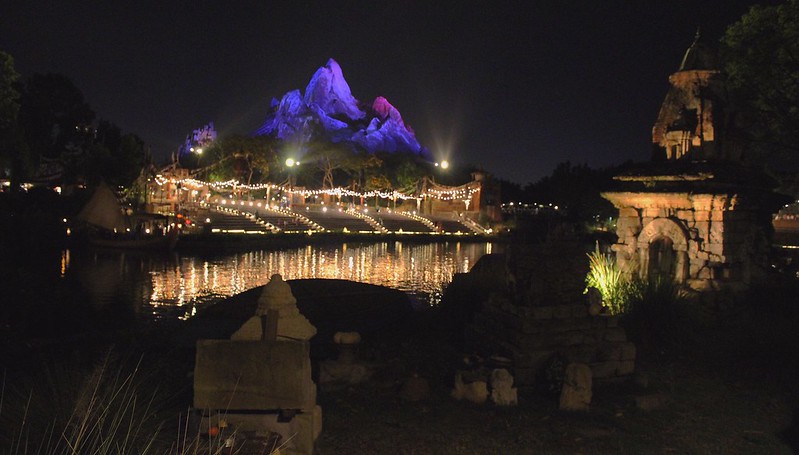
(177, 285)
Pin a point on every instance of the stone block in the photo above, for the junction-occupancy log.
(605, 369)
(253, 375)
(579, 354)
(542, 312)
(609, 351)
(502, 391)
(716, 234)
(572, 338)
(530, 325)
(579, 310)
(561, 311)
(576, 392)
(614, 335)
(686, 215)
(531, 359)
(701, 215)
(651, 402)
(628, 351)
(626, 368)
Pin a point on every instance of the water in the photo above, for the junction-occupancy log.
(158, 287)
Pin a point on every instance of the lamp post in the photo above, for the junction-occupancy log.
(290, 164)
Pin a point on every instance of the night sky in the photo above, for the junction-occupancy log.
(515, 87)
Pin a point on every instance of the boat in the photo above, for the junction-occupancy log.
(104, 223)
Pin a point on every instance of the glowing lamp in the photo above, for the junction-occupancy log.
(444, 164)
(290, 162)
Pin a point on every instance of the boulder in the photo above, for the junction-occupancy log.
(502, 391)
(576, 392)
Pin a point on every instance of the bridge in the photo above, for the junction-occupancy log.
(250, 217)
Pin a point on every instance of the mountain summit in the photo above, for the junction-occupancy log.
(328, 109)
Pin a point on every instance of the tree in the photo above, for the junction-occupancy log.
(9, 96)
(113, 157)
(575, 189)
(13, 150)
(244, 158)
(332, 157)
(53, 115)
(761, 60)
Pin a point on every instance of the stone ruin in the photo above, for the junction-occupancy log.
(528, 306)
(698, 213)
(258, 384)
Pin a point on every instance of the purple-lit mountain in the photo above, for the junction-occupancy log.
(328, 108)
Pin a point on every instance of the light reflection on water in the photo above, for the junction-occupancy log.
(177, 287)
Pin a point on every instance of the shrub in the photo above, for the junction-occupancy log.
(604, 275)
(651, 313)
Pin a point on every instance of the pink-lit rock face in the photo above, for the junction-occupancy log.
(328, 103)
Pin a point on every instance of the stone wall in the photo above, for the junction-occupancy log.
(532, 335)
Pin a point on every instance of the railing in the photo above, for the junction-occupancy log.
(314, 225)
(476, 227)
(251, 216)
(369, 220)
(422, 220)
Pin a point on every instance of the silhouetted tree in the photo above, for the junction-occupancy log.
(54, 116)
(761, 60)
(14, 155)
(576, 190)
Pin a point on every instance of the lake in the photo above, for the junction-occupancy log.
(152, 287)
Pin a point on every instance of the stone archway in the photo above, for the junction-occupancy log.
(662, 262)
(663, 249)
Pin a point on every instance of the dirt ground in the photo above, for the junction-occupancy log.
(727, 385)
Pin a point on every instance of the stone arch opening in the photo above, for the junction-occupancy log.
(663, 249)
(661, 259)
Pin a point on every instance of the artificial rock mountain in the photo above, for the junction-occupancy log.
(328, 109)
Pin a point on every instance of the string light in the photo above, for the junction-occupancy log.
(440, 192)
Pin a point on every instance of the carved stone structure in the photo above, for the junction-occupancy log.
(696, 214)
(694, 121)
(261, 378)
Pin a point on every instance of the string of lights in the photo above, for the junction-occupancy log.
(437, 192)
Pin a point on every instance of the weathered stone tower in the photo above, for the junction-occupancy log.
(696, 213)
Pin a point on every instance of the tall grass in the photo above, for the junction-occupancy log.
(648, 307)
(604, 275)
(73, 411)
(110, 408)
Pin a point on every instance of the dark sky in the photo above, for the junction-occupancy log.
(515, 87)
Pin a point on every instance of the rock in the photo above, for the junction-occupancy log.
(415, 388)
(459, 388)
(475, 391)
(502, 391)
(333, 371)
(594, 301)
(576, 392)
(329, 90)
(328, 102)
(650, 402)
(347, 338)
